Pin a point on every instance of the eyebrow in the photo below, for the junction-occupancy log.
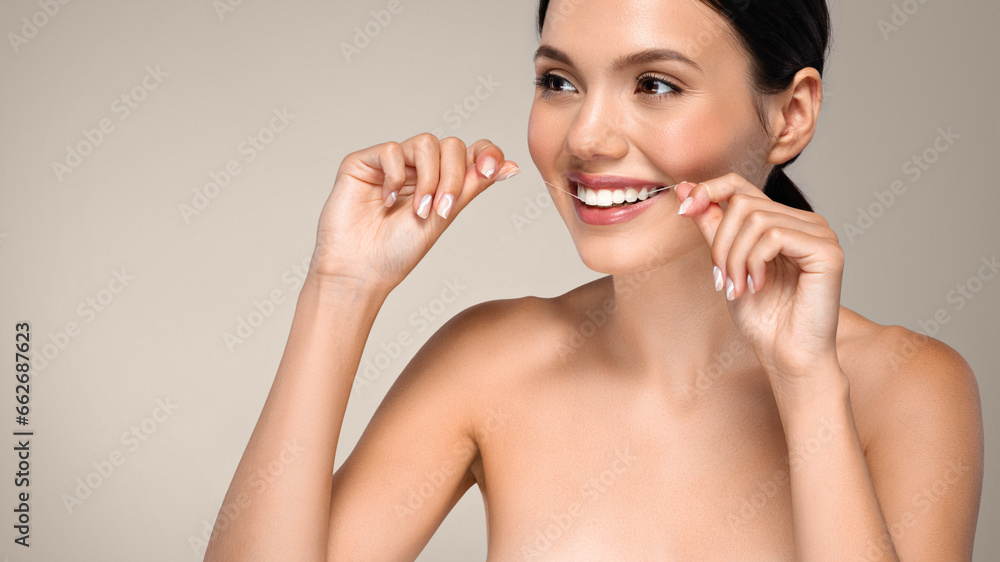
(635, 59)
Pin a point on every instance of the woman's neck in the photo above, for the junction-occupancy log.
(672, 327)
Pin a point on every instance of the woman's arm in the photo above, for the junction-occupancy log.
(914, 491)
(375, 227)
(277, 507)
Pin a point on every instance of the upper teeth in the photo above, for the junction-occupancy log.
(608, 197)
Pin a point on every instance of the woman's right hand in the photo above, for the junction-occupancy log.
(370, 233)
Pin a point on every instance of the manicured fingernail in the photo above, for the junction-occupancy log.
(390, 199)
(750, 284)
(508, 175)
(730, 289)
(489, 166)
(445, 206)
(685, 206)
(424, 208)
(717, 273)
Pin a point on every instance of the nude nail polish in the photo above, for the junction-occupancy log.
(424, 208)
(489, 167)
(445, 206)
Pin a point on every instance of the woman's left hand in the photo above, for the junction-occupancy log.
(796, 264)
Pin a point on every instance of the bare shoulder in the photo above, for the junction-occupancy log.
(917, 410)
(500, 341)
(886, 359)
(902, 380)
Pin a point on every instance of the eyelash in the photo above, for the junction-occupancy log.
(542, 82)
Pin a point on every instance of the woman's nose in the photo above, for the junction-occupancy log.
(596, 133)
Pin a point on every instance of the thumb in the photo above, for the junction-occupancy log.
(475, 183)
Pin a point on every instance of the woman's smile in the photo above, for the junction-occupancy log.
(606, 199)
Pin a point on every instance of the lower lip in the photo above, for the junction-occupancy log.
(604, 216)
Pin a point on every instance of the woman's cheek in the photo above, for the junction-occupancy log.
(682, 152)
(691, 150)
(540, 139)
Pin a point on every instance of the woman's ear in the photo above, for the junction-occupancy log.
(794, 114)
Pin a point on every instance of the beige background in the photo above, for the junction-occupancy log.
(162, 337)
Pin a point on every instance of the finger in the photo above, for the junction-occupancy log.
(391, 163)
(752, 228)
(424, 152)
(715, 191)
(745, 208)
(487, 156)
(507, 171)
(813, 255)
(705, 208)
(453, 170)
(475, 183)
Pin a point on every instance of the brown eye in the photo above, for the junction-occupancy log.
(553, 82)
(655, 86)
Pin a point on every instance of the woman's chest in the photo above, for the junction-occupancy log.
(593, 477)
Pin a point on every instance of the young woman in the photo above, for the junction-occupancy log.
(708, 399)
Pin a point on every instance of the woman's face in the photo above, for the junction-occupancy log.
(658, 120)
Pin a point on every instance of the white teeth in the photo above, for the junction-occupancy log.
(609, 197)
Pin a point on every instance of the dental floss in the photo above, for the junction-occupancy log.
(581, 199)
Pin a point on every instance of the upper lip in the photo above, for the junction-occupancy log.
(609, 182)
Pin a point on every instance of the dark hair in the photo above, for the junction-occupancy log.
(782, 37)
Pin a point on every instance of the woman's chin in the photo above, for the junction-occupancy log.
(625, 257)
(619, 259)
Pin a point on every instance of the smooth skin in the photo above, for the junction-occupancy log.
(641, 416)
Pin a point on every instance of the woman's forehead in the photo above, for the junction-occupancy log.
(599, 31)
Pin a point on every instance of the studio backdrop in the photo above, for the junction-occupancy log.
(165, 164)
